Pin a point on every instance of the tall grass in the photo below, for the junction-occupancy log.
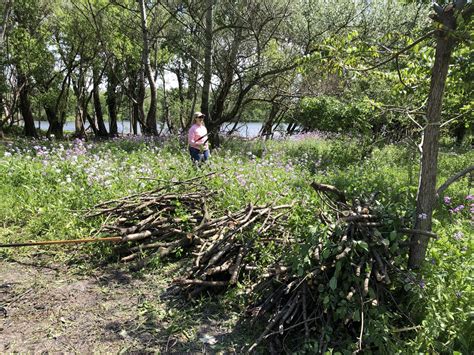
(46, 186)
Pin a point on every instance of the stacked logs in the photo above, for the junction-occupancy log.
(354, 257)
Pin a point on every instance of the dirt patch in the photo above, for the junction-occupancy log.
(53, 308)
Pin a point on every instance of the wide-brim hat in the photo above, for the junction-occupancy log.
(199, 115)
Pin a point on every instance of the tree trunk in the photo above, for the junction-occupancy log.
(79, 91)
(55, 126)
(99, 116)
(219, 104)
(79, 130)
(166, 108)
(141, 100)
(151, 115)
(206, 86)
(179, 79)
(25, 106)
(267, 128)
(92, 124)
(3, 26)
(426, 196)
(134, 110)
(460, 132)
(192, 94)
(135, 115)
(3, 107)
(112, 101)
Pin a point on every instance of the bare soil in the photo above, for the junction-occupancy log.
(47, 306)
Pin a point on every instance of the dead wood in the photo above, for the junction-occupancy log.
(353, 246)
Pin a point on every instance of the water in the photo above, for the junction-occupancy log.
(247, 130)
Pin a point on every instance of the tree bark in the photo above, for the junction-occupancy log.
(99, 116)
(81, 109)
(141, 100)
(267, 128)
(92, 123)
(55, 126)
(25, 106)
(460, 132)
(206, 86)
(3, 29)
(426, 196)
(192, 94)
(3, 26)
(151, 115)
(179, 79)
(111, 101)
(166, 107)
(134, 115)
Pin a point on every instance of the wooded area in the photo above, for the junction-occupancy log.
(101, 61)
(362, 96)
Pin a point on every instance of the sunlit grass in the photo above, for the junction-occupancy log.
(46, 187)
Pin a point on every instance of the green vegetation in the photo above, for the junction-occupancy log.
(46, 187)
(381, 95)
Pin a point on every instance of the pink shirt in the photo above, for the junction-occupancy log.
(194, 136)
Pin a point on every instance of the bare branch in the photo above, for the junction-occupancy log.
(453, 179)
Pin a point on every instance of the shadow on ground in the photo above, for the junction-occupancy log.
(47, 306)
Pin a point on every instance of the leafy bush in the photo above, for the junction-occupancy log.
(328, 114)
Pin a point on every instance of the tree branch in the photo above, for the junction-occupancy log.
(403, 50)
(453, 179)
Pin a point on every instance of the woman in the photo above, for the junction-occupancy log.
(197, 139)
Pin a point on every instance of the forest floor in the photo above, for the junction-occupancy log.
(46, 306)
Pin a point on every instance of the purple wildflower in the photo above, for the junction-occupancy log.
(447, 200)
(470, 197)
(422, 216)
(458, 235)
(241, 179)
(458, 208)
(422, 284)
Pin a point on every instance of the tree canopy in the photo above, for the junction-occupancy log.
(309, 63)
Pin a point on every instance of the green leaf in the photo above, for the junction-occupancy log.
(363, 245)
(393, 235)
(326, 300)
(356, 316)
(333, 283)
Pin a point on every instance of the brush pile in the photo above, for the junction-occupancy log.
(177, 217)
(161, 219)
(349, 277)
(330, 288)
(229, 246)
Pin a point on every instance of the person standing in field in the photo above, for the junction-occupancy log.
(197, 139)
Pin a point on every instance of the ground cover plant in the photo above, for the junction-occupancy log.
(352, 235)
(48, 186)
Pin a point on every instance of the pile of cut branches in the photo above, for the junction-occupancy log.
(228, 246)
(345, 288)
(330, 293)
(162, 219)
(177, 217)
